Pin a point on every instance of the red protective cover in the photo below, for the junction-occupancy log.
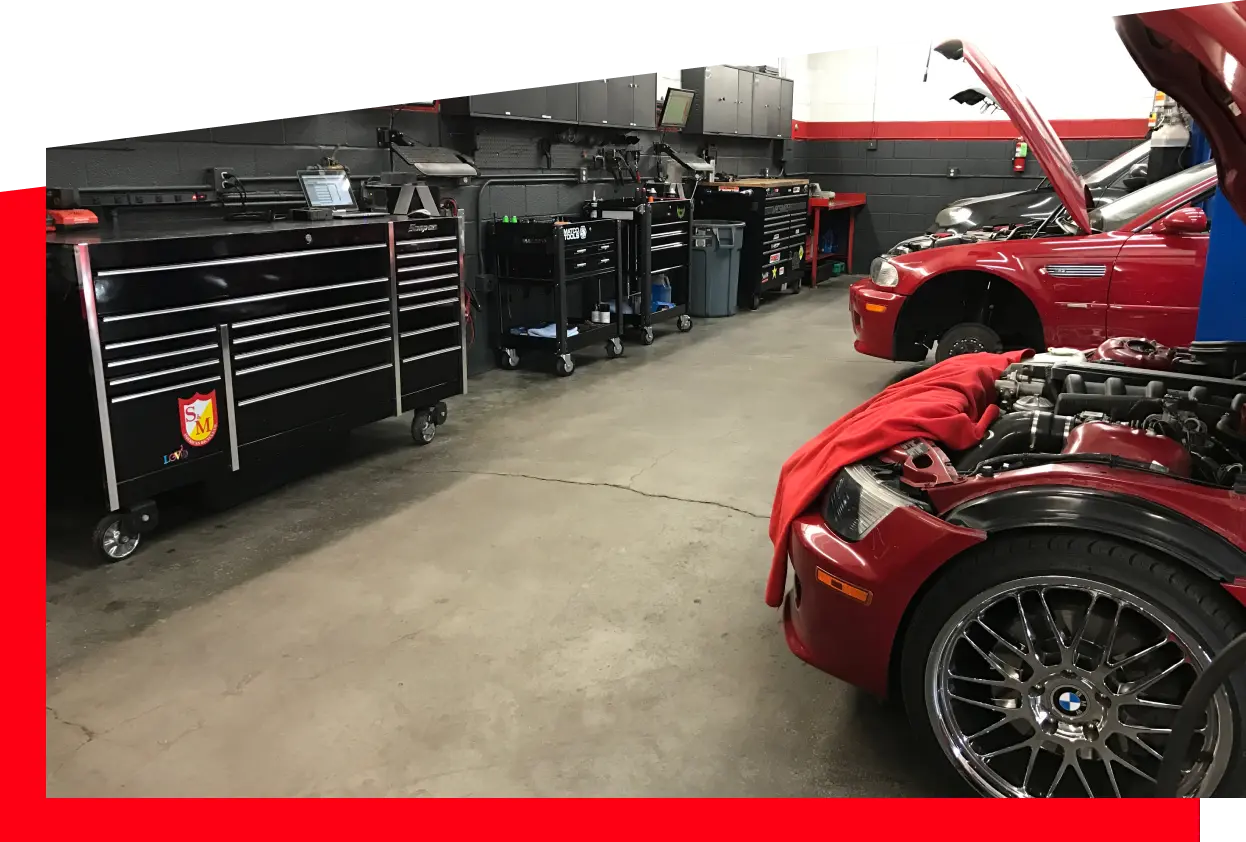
(952, 403)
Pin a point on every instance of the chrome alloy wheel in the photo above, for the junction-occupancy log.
(1063, 686)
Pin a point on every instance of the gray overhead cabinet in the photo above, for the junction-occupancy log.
(625, 102)
(739, 101)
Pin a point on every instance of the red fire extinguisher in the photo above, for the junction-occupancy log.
(1018, 155)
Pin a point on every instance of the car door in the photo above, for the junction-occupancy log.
(1156, 286)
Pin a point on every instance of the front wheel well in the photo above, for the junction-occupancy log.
(952, 567)
(966, 296)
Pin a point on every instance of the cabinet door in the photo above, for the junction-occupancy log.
(744, 103)
(645, 102)
(766, 106)
(786, 91)
(498, 104)
(530, 102)
(619, 101)
(721, 92)
(561, 103)
(592, 102)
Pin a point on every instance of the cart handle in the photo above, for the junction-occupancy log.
(1222, 667)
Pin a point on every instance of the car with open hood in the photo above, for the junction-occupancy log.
(1040, 556)
(1075, 277)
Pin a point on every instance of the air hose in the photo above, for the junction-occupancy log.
(1222, 667)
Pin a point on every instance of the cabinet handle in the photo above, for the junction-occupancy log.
(547, 117)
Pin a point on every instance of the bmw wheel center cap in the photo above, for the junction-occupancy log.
(1070, 702)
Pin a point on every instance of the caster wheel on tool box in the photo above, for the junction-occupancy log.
(614, 348)
(508, 359)
(423, 429)
(684, 323)
(112, 539)
(755, 302)
(646, 336)
(440, 413)
(564, 366)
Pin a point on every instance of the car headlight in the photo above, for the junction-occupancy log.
(884, 274)
(856, 502)
(953, 216)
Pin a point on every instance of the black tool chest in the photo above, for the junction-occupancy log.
(552, 273)
(656, 239)
(775, 216)
(192, 351)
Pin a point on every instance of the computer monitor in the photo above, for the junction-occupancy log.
(327, 189)
(676, 107)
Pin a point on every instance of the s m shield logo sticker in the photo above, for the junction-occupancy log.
(198, 415)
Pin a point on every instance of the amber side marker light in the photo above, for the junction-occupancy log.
(854, 593)
(876, 308)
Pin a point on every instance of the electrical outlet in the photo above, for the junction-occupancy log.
(219, 179)
(953, 172)
(871, 145)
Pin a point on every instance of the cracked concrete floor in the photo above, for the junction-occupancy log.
(562, 595)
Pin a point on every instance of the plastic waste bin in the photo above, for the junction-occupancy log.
(714, 275)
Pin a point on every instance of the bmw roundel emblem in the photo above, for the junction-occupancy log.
(1069, 701)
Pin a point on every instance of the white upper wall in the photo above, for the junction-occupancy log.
(1096, 78)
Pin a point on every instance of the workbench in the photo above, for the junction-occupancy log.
(818, 205)
(183, 351)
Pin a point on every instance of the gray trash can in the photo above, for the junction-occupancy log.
(714, 276)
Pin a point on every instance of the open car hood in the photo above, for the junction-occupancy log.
(1197, 57)
(1038, 133)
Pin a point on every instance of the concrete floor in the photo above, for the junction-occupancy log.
(562, 595)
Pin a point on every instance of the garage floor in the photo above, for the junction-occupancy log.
(561, 595)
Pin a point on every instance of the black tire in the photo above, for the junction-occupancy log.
(614, 348)
(646, 336)
(967, 338)
(755, 302)
(508, 359)
(112, 543)
(1201, 609)
(423, 428)
(564, 366)
(684, 323)
(440, 413)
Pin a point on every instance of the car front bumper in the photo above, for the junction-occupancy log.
(874, 312)
(848, 598)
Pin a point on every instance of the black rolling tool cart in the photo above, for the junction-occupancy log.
(182, 354)
(656, 237)
(555, 280)
(775, 215)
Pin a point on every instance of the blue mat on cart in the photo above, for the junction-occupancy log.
(549, 331)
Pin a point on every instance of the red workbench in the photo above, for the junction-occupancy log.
(817, 205)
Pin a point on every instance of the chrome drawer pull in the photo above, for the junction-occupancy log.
(294, 389)
(305, 357)
(120, 380)
(301, 328)
(176, 388)
(128, 343)
(230, 302)
(132, 360)
(226, 261)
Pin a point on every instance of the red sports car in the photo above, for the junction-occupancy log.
(1083, 274)
(1040, 557)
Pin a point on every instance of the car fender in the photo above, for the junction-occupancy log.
(1123, 516)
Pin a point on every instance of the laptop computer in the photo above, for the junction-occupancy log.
(330, 190)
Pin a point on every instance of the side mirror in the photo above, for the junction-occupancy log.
(1182, 221)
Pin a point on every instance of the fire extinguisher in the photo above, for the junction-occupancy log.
(1018, 156)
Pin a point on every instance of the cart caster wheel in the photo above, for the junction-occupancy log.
(111, 539)
(646, 336)
(508, 359)
(423, 429)
(440, 413)
(564, 365)
(684, 324)
(614, 348)
(755, 302)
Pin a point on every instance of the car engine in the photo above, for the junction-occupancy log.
(1167, 422)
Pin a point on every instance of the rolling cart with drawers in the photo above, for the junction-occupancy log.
(551, 275)
(179, 355)
(656, 239)
(775, 215)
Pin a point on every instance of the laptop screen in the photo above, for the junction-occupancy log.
(327, 189)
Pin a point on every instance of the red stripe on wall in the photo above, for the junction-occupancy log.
(963, 129)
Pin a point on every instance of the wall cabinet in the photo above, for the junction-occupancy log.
(625, 102)
(739, 101)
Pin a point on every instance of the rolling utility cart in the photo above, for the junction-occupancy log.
(179, 355)
(655, 252)
(775, 215)
(555, 281)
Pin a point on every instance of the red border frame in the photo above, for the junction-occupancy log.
(963, 129)
(24, 434)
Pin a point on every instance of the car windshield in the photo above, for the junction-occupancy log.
(1112, 216)
(1106, 174)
